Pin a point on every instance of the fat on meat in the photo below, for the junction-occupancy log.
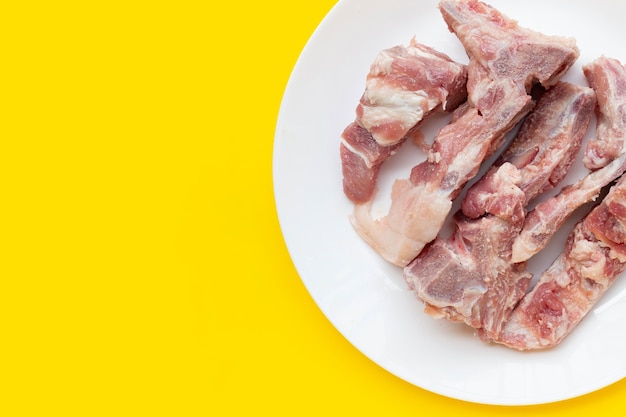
(469, 277)
(505, 49)
(557, 128)
(605, 155)
(593, 258)
(505, 60)
(420, 204)
(548, 216)
(608, 77)
(405, 85)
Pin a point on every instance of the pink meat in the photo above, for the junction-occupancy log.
(504, 62)
(505, 49)
(360, 168)
(548, 216)
(566, 106)
(594, 256)
(404, 87)
(607, 152)
(469, 277)
(607, 77)
(454, 158)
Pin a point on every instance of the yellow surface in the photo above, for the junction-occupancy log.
(143, 270)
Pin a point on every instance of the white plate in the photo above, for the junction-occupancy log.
(365, 298)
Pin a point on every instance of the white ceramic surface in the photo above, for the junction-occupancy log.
(366, 298)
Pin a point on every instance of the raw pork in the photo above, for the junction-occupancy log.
(420, 204)
(504, 49)
(594, 256)
(505, 61)
(469, 277)
(608, 152)
(608, 77)
(404, 86)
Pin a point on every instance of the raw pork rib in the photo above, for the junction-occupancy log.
(608, 78)
(505, 60)
(594, 256)
(404, 86)
(361, 159)
(469, 277)
(548, 216)
(566, 107)
(420, 204)
(504, 49)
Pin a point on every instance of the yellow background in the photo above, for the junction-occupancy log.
(143, 270)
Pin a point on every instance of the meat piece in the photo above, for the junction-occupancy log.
(405, 85)
(421, 204)
(555, 132)
(453, 282)
(608, 77)
(469, 277)
(608, 151)
(548, 216)
(503, 64)
(504, 49)
(361, 159)
(594, 256)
